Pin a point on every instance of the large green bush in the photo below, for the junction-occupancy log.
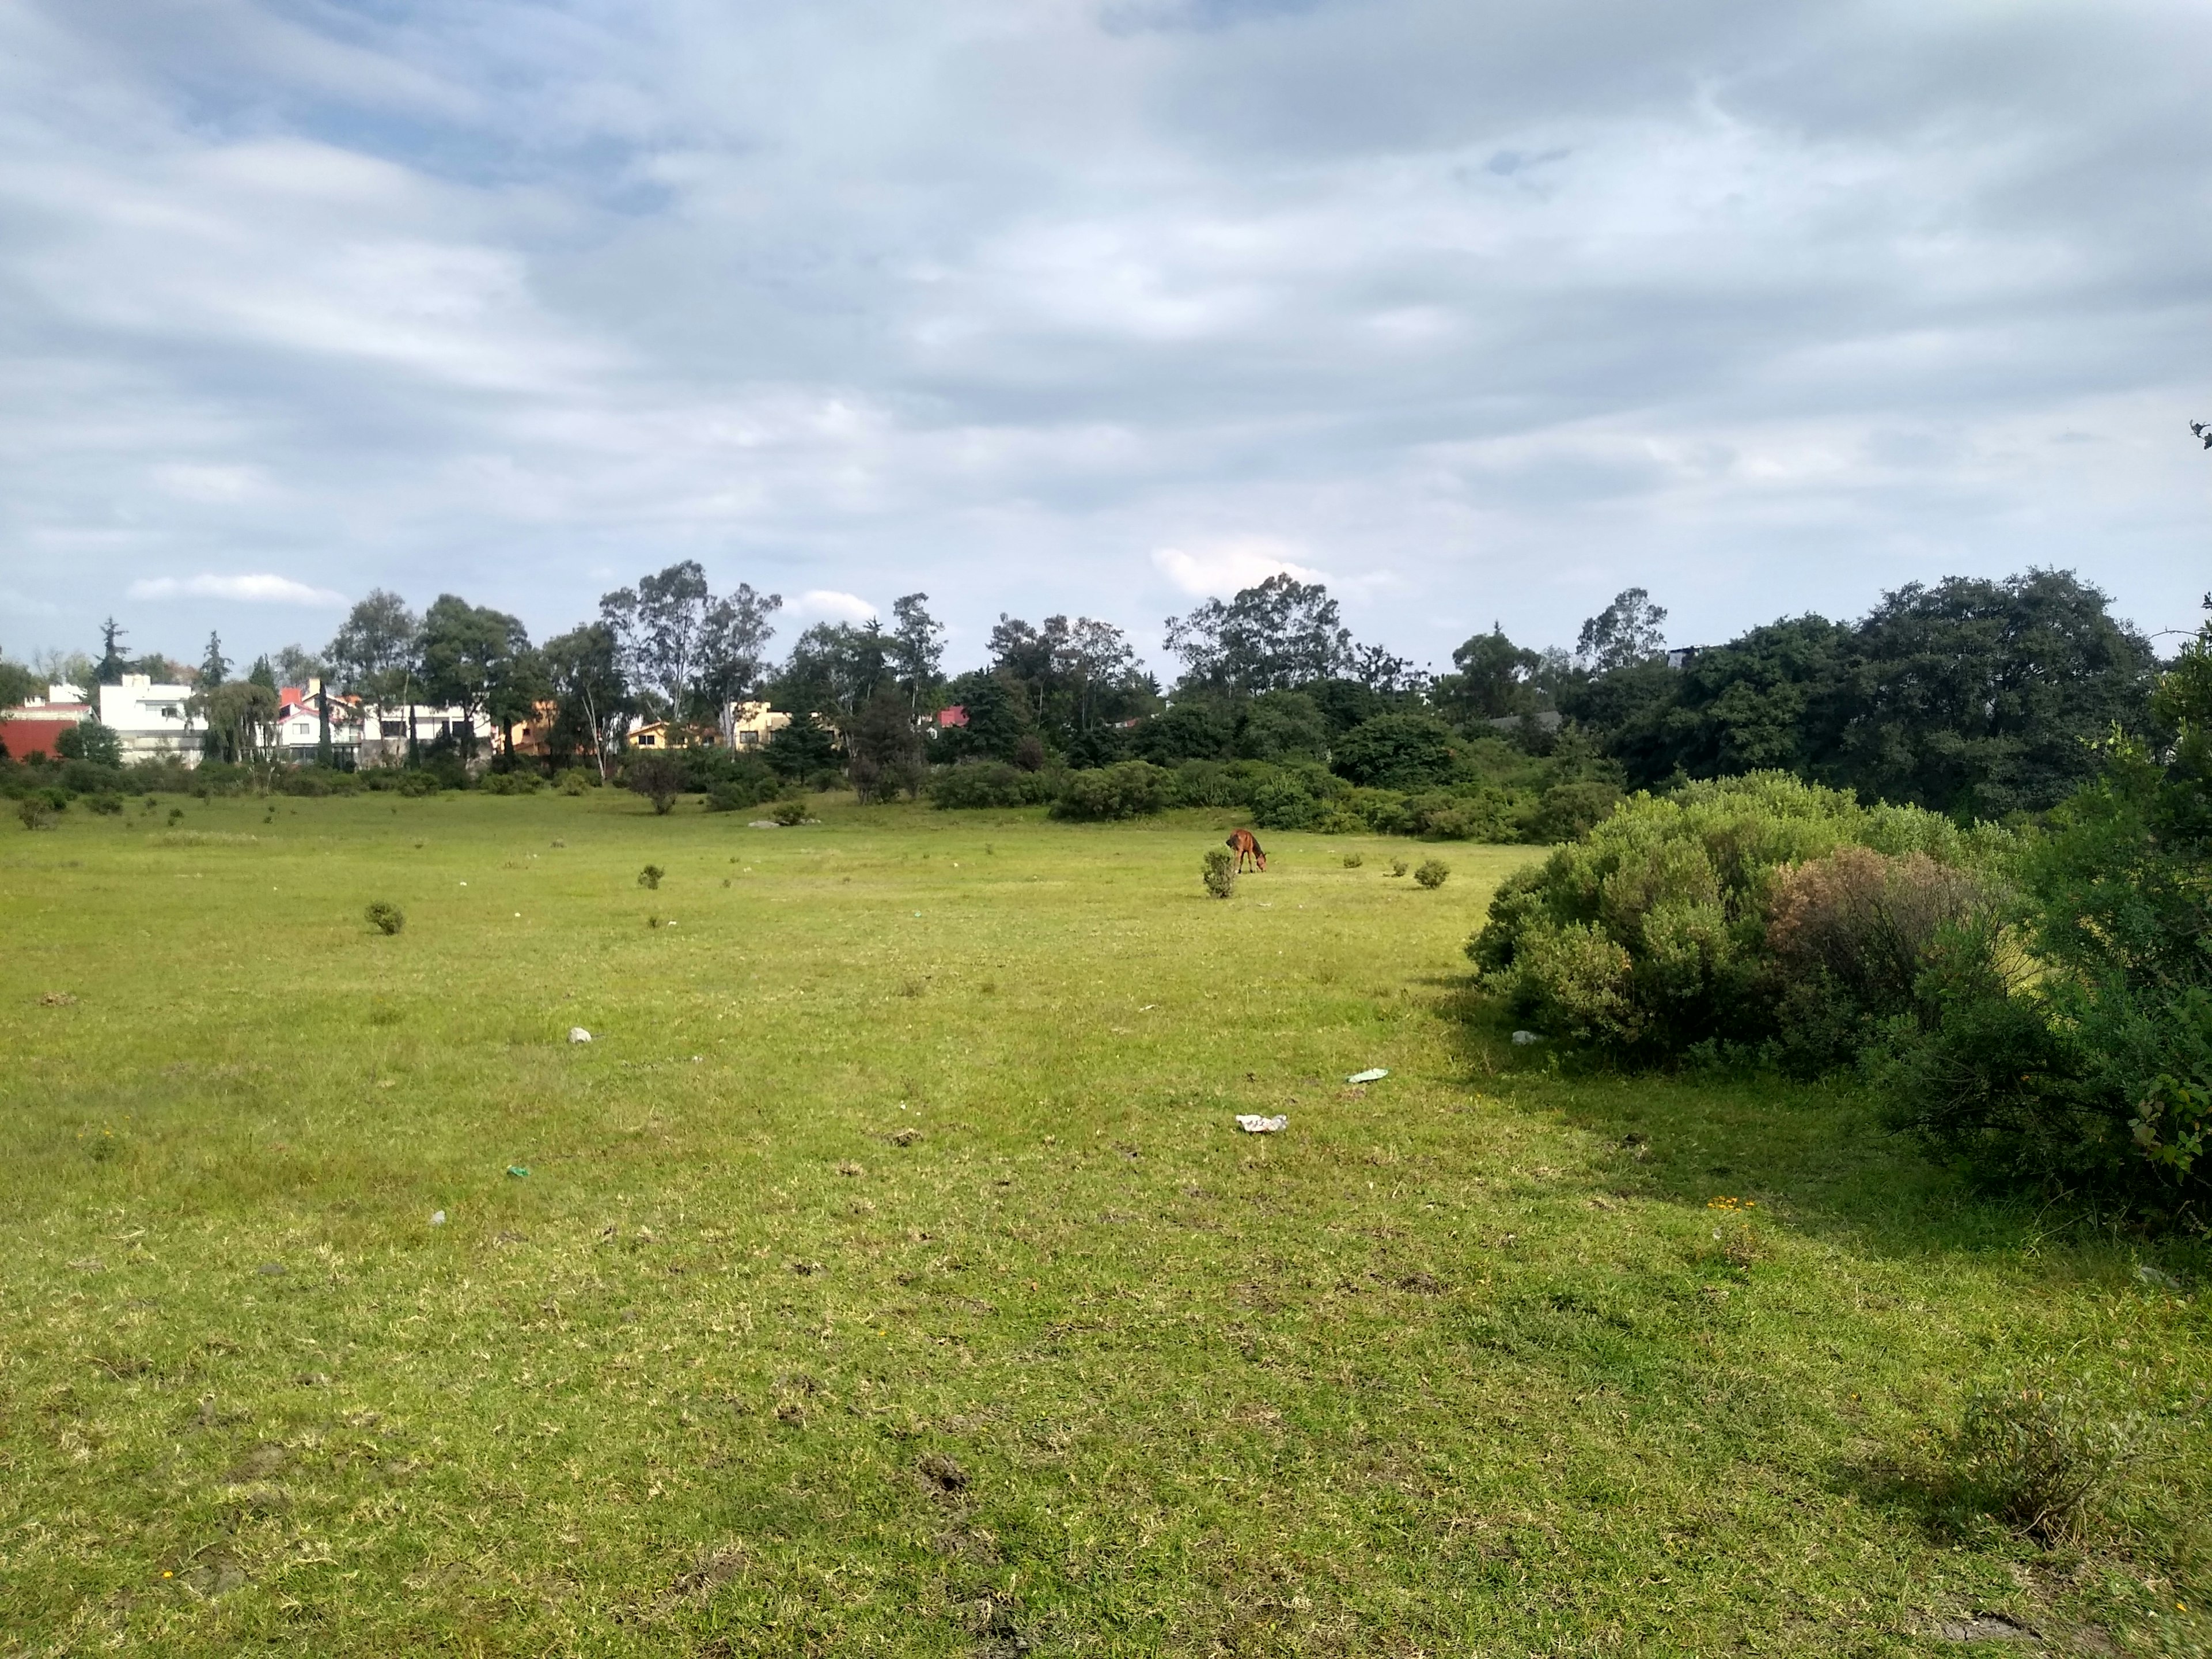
(1133, 789)
(988, 783)
(1649, 935)
(2072, 1048)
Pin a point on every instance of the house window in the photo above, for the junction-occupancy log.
(392, 728)
(646, 743)
(747, 739)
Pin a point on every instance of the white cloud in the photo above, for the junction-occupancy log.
(827, 602)
(1218, 568)
(258, 589)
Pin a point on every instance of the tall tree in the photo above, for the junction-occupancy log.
(916, 649)
(1989, 695)
(469, 656)
(683, 652)
(583, 670)
(1495, 679)
(733, 649)
(113, 665)
(371, 656)
(214, 667)
(1277, 635)
(263, 672)
(834, 669)
(1629, 630)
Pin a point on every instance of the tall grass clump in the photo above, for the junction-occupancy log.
(2038, 1459)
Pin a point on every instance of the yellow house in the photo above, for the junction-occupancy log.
(660, 734)
(750, 725)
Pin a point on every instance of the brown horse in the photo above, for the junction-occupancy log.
(1246, 845)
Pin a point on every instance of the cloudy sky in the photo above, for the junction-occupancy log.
(1480, 312)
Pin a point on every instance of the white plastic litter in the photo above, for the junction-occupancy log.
(437, 1218)
(1373, 1074)
(2150, 1275)
(578, 1034)
(1253, 1124)
(1523, 1039)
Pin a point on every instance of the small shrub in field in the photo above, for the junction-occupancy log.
(176, 815)
(36, 811)
(650, 876)
(1220, 873)
(2039, 1459)
(1398, 866)
(386, 918)
(987, 784)
(1433, 872)
(575, 782)
(414, 785)
(1353, 860)
(106, 805)
(788, 813)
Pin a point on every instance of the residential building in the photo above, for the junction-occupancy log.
(36, 726)
(749, 726)
(384, 728)
(299, 725)
(152, 721)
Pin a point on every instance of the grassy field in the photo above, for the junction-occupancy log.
(889, 1275)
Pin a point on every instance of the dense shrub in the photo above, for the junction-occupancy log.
(385, 917)
(659, 777)
(511, 783)
(1432, 873)
(415, 784)
(1219, 873)
(316, 780)
(1848, 939)
(742, 783)
(2074, 1047)
(1133, 789)
(989, 783)
(1397, 751)
(1650, 934)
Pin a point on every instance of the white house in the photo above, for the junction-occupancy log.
(382, 736)
(151, 721)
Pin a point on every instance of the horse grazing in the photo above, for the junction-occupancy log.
(1246, 845)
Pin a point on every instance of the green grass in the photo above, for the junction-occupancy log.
(889, 1275)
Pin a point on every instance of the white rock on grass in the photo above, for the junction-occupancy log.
(578, 1034)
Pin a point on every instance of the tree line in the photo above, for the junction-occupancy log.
(1971, 696)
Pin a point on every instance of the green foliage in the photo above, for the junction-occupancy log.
(803, 751)
(1219, 873)
(658, 775)
(1973, 697)
(106, 804)
(1279, 726)
(886, 750)
(418, 782)
(788, 813)
(989, 784)
(1398, 866)
(577, 782)
(1397, 751)
(498, 782)
(91, 742)
(651, 876)
(1133, 789)
(1650, 933)
(385, 917)
(36, 811)
(2039, 1458)
(1432, 873)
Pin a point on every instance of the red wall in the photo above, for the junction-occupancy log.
(26, 737)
